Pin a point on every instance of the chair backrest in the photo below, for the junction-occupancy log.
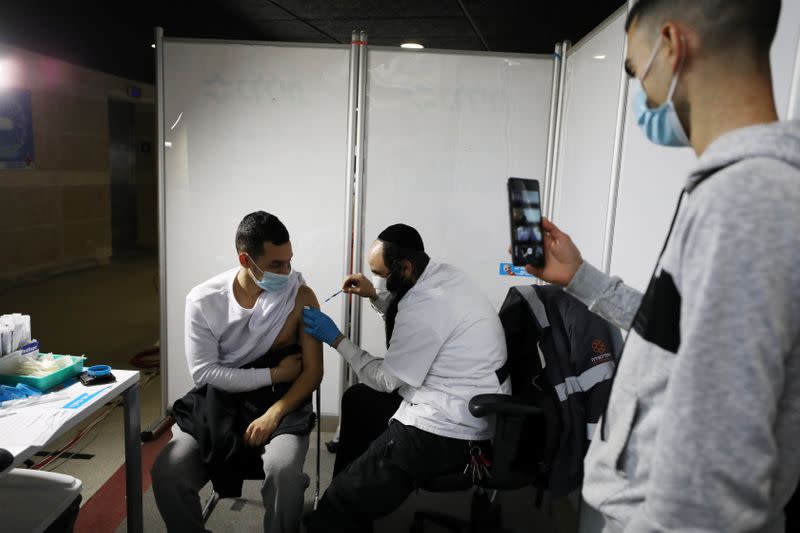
(526, 445)
(6, 459)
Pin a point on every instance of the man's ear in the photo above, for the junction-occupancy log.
(676, 44)
(408, 268)
(243, 260)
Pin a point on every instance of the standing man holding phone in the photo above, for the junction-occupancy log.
(701, 429)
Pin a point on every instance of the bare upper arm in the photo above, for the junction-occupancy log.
(306, 297)
(312, 348)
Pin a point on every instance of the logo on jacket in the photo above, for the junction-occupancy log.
(599, 347)
(602, 355)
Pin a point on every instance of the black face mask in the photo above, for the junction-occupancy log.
(399, 287)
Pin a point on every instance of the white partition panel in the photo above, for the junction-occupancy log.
(652, 177)
(444, 133)
(783, 53)
(591, 95)
(252, 127)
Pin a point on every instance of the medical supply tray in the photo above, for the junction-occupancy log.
(49, 381)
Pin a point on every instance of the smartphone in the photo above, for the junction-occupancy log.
(525, 213)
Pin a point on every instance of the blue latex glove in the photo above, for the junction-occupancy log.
(320, 326)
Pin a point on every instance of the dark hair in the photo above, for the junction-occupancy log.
(393, 254)
(721, 24)
(401, 241)
(257, 228)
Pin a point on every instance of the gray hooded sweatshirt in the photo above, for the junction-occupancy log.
(702, 431)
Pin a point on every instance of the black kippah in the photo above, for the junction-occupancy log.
(403, 236)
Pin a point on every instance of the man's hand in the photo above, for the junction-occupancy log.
(321, 327)
(359, 285)
(562, 259)
(288, 369)
(261, 429)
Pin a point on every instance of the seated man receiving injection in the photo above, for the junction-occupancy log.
(254, 370)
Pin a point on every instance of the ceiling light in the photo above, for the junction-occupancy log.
(415, 46)
(601, 56)
(152, 45)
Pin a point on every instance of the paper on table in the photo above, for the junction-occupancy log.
(31, 426)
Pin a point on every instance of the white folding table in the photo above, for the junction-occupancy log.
(127, 386)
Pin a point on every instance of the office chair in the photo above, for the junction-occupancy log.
(6, 460)
(516, 463)
(527, 433)
(211, 502)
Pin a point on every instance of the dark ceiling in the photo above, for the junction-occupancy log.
(115, 36)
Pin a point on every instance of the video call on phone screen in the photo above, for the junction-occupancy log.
(526, 221)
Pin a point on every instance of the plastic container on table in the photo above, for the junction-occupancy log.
(51, 380)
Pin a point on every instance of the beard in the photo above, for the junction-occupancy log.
(399, 287)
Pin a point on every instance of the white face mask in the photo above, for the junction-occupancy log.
(379, 283)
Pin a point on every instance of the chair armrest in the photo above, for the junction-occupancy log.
(500, 404)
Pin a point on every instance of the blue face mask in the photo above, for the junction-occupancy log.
(661, 124)
(270, 281)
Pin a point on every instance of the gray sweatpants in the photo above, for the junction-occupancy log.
(178, 475)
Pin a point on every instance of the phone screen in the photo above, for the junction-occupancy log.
(526, 222)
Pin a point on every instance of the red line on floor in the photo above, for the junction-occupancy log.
(106, 509)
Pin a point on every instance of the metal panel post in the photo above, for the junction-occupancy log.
(616, 162)
(559, 122)
(551, 127)
(349, 244)
(358, 226)
(162, 228)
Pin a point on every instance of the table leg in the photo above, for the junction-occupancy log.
(133, 460)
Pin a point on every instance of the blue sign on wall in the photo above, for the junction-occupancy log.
(508, 269)
(16, 129)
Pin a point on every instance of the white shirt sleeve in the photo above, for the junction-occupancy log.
(382, 302)
(370, 370)
(202, 354)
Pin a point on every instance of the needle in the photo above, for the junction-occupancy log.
(333, 296)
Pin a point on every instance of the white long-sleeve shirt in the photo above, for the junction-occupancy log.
(221, 336)
(446, 346)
